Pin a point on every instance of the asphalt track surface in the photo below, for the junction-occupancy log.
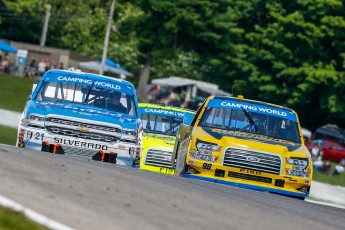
(84, 194)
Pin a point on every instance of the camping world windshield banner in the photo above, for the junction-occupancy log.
(163, 112)
(253, 107)
(85, 79)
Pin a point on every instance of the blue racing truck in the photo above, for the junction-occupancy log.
(83, 114)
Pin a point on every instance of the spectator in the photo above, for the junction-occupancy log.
(171, 96)
(32, 70)
(183, 98)
(315, 151)
(326, 168)
(317, 163)
(48, 65)
(6, 65)
(41, 67)
(1, 68)
(61, 66)
(338, 170)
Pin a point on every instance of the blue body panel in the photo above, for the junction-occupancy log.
(253, 107)
(186, 115)
(80, 110)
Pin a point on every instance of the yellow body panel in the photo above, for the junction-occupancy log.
(213, 166)
(156, 142)
(159, 144)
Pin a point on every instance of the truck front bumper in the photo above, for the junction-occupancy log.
(119, 153)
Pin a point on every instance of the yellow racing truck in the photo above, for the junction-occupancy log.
(160, 125)
(245, 143)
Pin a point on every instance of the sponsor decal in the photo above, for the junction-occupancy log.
(250, 171)
(89, 82)
(252, 107)
(107, 85)
(191, 162)
(162, 111)
(75, 80)
(204, 157)
(82, 144)
(28, 135)
(166, 170)
(252, 136)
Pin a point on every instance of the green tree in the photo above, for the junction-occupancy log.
(21, 20)
(164, 28)
(295, 55)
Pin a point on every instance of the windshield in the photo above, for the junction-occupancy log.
(251, 122)
(83, 94)
(166, 125)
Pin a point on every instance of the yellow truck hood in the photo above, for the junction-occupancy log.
(226, 138)
(158, 141)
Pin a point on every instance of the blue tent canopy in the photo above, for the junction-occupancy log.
(110, 66)
(6, 47)
(111, 63)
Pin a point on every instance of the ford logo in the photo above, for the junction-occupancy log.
(252, 159)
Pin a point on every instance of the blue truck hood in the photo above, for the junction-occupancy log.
(82, 111)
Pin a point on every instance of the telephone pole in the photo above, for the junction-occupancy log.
(106, 38)
(45, 26)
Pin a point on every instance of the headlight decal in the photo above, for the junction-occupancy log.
(299, 165)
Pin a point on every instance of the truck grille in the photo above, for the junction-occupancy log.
(83, 124)
(159, 158)
(258, 161)
(82, 129)
(79, 134)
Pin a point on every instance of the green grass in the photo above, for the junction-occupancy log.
(10, 220)
(329, 179)
(8, 135)
(14, 91)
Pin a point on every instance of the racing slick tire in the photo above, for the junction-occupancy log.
(181, 155)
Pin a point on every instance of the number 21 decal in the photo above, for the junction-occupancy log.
(39, 136)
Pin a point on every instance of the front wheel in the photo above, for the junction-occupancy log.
(181, 157)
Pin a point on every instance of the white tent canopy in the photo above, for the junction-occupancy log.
(96, 66)
(192, 86)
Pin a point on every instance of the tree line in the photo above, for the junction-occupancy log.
(287, 52)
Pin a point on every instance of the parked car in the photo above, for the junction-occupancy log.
(331, 151)
(245, 143)
(82, 114)
(160, 125)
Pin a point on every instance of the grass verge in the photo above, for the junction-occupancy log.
(14, 91)
(330, 179)
(8, 135)
(10, 220)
